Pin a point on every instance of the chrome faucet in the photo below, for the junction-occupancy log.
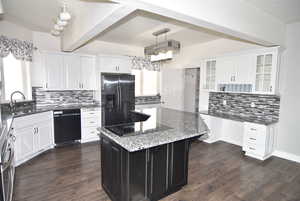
(13, 102)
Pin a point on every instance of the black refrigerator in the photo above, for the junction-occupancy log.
(117, 98)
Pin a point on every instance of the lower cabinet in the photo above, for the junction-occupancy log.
(149, 174)
(90, 121)
(33, 136)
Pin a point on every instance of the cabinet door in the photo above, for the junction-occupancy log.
(44, 135)
(88, 73)
(226, 70)
(109, 64)
(73, 69)
(55, 71)
(124, 65)
(178, 166)
(24, 143)
(245, 69)
(158, 172)
(111, 168)
(37, 70)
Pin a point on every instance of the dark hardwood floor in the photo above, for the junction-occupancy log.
(217, 172)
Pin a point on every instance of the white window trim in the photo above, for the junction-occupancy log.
(142, 83)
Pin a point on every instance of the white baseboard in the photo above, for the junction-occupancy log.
(231, 142)
(287, 156)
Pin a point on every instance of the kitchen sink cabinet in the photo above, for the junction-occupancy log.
(34, 134)
(148, 174)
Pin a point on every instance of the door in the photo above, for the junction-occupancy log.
(126, 92)
(55, 71)
(24, 143)
(44, 134)
(178, 164)
(158, 172)
(73, 68)
(88, 73)
(172, 88)
(111, 99)
(191, 89)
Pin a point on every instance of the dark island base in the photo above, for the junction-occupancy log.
(148, 174)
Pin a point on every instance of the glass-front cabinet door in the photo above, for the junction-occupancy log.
(265, 73)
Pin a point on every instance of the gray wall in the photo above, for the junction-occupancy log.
(288, 136)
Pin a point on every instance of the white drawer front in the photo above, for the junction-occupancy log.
(256, 149)
(91, 122)
(89, 133)
(90, 114)
(256, 137)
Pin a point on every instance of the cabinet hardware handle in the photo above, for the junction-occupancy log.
(253, 129)
(251, 138)
(46, 85)
(92, 122)
(252, 148)
(270, 88)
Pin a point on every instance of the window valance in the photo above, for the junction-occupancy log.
(140, 63)
(21, 50)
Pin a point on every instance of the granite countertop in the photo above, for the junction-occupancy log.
(239, 118)
(181, 125)
(39, 109)
(7, 117)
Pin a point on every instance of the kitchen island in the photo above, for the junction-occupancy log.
(150, 160)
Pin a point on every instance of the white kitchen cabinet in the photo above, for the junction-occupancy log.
(245, 72)
(55, 71)
(34, 134)
(258, 140)
(24, 144)
(45, 135)
(226, 70)
(90, 122)
(266, 72)
(73, 68)
(88, 72)
(64, 71)
(114, 64)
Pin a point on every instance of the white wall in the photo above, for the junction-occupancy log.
(192, 56)
(12, 30)
(288, 138)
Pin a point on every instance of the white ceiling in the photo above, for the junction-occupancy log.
(138, 31)
(285, 10)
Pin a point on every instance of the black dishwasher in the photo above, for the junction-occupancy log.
(67, 126)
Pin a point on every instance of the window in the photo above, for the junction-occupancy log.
(263, 73)
(210, 74)
(146, 82)
(16, 77)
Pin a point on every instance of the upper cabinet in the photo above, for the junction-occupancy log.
(254, 71)
(114, 64)
(61, 71)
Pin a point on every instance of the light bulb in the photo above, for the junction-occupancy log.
(58, 28)
(55, 33)
(61, 23)
(65, 15)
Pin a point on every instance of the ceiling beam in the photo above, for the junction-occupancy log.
(71, 43)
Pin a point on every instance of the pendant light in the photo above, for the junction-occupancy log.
(65, 15)
(55, 33)
(61, 23)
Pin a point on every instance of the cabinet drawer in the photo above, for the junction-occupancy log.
(90, 113)
(255, 148)
(256, 128)
(90, 132)
(91, 122)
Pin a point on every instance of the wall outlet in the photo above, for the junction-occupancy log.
(224, 102)
(252, 104)
(61, 98)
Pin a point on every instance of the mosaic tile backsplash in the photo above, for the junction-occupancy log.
(140, 100)
(49, 98)
(265, 108)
